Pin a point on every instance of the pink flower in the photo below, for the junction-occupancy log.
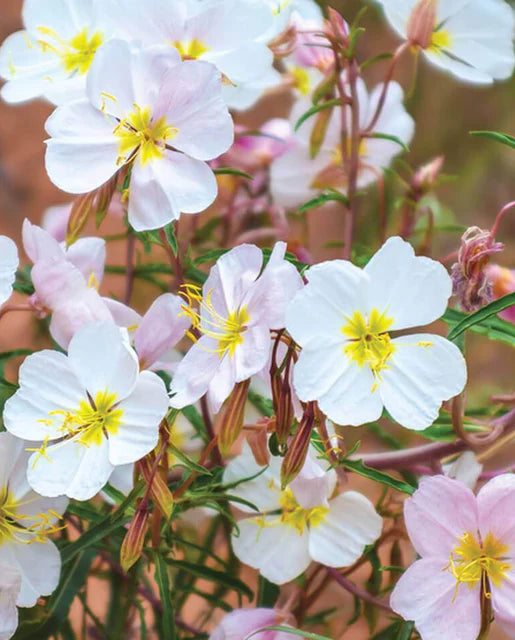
(241, 623)
(467, 549)
(238, 308)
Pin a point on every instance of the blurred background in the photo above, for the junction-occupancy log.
(444, 111)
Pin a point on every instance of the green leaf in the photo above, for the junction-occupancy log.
(503, 138)
(494, 327)
(212, 575)
(294, 632)
(188, 462)
(268, 592)
(231, 171)
(171, 238)
(357, 466)
(168, 630)
(388, 136)
(318, 201)
(315, 109)
(483, 314)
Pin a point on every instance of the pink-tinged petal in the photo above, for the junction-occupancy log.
(89, 256)
(10, 585)
(39, 244)
(412, 290)
(55, 221)
(82, 152)
(122, 315)
(57, 281)
(161, 328)
(192, 102)
(242, 623)
(103, 360)
(438, 514)
(496, 504)
(349, 526)
(11, 449)
(425, 594)
(195, 373)
(252, 355)
(143, 411)
(503, 601)
(313, 486)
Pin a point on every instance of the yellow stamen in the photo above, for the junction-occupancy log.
(192, 49)
(139, 135)
(369, 343)
(440, 39)
(77, 53)
(301, 80)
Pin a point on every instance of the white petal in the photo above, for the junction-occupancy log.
(222, 384)
(143, 410)
(313, 486)
(412, 290)
(11, 449)
(72, 469)
(350, 525)
(38, 243)
(247, 63)
(424, 370)
(317, 370)
(40, 394)
(8, 266)
(279, 551)
(10, 584)
(89, 256)
(102, 359)
(253, 354)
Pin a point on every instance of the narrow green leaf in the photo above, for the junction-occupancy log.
(357, 466)
(387, 136)
(483, 314)
(315, 109)
(494, 327)
(405, 631)
(268, 592)
(188, 462)
(169, 631)
(318, 201)
(503, 138)
(212, 575)
(231, 171)
(171, 238)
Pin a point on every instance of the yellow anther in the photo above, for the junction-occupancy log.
(369, 343)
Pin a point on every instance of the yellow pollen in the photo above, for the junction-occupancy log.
(227, 331)
(473, 561)
(77, 53)
(139, 135)
(296, 516)
(440, 39)
(301, 80)
(12, 528)
(192, 49)
(369, 343)
(281, 6)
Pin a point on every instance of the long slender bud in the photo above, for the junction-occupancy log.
(298, 450)
(132, 546)
(230, 421)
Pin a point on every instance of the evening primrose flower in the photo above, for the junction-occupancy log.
(52, 55)
(223, 32)
(237, 309)
(472, 39)
(350, 363)
(300, 524)
(467, 549)
(27, 520)
(158, 117)
(8, 266)
(296, 177)
(244, 623)
(94, 412)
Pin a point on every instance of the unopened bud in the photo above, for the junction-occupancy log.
(258, 442)
(339, 29)
(422, 22)
(425, 178)
(159, 491)
(502, 281)
(298, 450)
(424, 181)
(132, 546)
(230, 420)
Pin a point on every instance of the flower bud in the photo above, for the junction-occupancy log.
(424, 181)
(421, 23)
(159, 491)
(298, 450)
(502, 281)
(132, 546)
(230, 420)
(339, 29)
(258, 442)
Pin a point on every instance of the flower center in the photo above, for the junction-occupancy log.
(369, 343)
(296, 516)
(93, 420)
(301, 80)
(139, 135)
(11, 529)
(191, 49)
(440, 39)
(227, 331)
(473, 561)
(77, 53)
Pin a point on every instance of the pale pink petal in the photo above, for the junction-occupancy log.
(38, 243)
(496, 504)
(503, 600)
(89, 256)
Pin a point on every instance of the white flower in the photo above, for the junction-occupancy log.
(301, 524)
(296, 177)
(51, 57)
(148, 111)
(465, 468)
(287, 11)
(223, 32)
(238, 308)
(472, 39)
(349, 362)
(8, 266)
(26, 521)
(92, 409)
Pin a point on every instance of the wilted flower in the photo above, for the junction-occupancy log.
(52, 56)
(238, 308)
(27, 520)
(148, 110)
(95, 412)
(241, 623)
(467, 549)
(350, 364)
(472, 39)
(300, 524)
(296, 177)
(8, 266)
(502, 282)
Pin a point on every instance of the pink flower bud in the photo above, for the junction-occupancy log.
(502, 282)
(422, 23)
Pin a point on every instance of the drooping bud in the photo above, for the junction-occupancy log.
(471, 285)
(132, 546)
(258, 442)
(298, 449)
(159, 491)
(422, 22)
(230, 419)
(281, 390)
